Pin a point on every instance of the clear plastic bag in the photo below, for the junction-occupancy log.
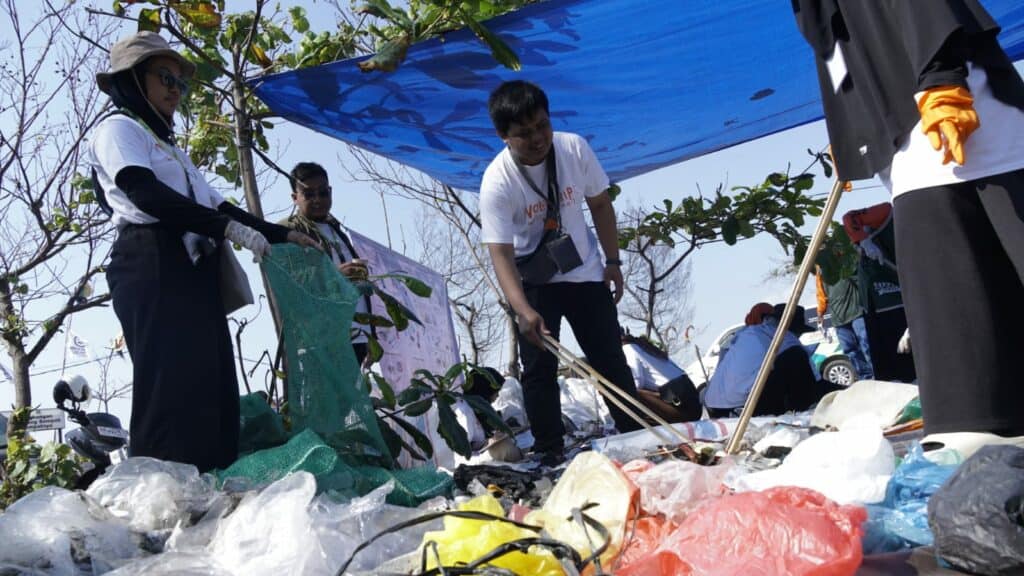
(58, 532)
(151, 494)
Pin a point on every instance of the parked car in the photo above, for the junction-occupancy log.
(822, 346)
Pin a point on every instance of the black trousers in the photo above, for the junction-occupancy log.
(184, 389)
(884, 332)
(960, 250)
(591, 313)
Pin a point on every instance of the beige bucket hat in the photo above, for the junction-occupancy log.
(128, 52)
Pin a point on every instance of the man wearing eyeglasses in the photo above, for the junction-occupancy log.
(311, 194)
(546, 258)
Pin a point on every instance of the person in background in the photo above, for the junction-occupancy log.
(165, 272)
(312, 196)
(791, 384)
(661, 385)
(842, 300)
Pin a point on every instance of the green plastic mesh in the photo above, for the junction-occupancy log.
(412, 486)
(305, 452)
(337, 433)
(324, 394)
(261, 427)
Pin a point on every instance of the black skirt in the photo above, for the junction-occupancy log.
(185, 391)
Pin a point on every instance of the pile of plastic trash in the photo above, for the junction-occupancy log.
(814, 493)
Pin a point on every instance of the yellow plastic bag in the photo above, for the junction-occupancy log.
(590, 478)
(463, 541)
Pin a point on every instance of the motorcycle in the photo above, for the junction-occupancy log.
(99, 434)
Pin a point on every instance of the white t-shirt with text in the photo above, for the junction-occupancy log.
(511, 212)
(119, 142)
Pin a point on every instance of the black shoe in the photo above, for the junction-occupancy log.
(552, 459)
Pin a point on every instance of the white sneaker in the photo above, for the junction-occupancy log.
(955, 447)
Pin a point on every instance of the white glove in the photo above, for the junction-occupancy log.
(249, 238)
(904, 346)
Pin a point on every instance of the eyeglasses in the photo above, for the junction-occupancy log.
(171, 81)
(310, 193)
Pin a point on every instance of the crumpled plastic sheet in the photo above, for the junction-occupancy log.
(173, 564)
(901, 520)
(852, 466)
(781, 437)
(584, 407)
(62, 533)
(509, 402)
(977, 516)
(282, 529)
(791, 531)
(864, 404)
(675, 488)
(152, 494)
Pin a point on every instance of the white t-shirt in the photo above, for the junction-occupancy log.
(346, 256)
(994, 148)
(511, 212)
(118, 142)
(650, 372)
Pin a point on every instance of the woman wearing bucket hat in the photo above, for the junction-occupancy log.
(172, 277)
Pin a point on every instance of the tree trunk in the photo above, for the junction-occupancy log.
(247, 172)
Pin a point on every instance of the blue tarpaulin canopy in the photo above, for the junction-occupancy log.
(648, 82)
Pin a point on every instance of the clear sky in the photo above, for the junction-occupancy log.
(725, 280)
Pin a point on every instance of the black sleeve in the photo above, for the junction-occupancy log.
(157, 199)
(274, 233)
(949, 66)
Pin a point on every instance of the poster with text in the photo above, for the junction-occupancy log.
(431, 346)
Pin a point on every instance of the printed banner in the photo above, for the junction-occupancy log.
(432, 346)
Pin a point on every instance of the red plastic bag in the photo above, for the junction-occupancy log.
(786, 530)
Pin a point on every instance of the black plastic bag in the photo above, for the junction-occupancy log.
(977, 516)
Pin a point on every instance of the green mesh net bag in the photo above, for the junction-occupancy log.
(324, 394)
(305, 452)
(260, 426)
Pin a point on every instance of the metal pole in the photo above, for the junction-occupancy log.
(787, 315)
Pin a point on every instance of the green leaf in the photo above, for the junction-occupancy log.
(803, 182)
(374, 350)
(415, 285)
(746, 228)
(388, 56)
(409, 395)
(452, 432)
(387, 393)
(730, 228)
(368, 319)
(419, 407)
(499, 49)
(149, 19)
(392, 439)
(299, 21)
(481, 407)
(421, 440)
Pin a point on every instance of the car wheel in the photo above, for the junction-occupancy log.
(839, 371)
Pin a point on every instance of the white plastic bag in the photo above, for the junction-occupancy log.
(152, 494)
(675, 488)
(849, 467)
(50, 528)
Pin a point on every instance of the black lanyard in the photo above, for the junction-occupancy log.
(553, 218)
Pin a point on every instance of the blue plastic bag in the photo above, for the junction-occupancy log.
(901, 520)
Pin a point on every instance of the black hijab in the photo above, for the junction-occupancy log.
(126, 94)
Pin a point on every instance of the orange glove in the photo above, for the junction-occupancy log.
(947, 115)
